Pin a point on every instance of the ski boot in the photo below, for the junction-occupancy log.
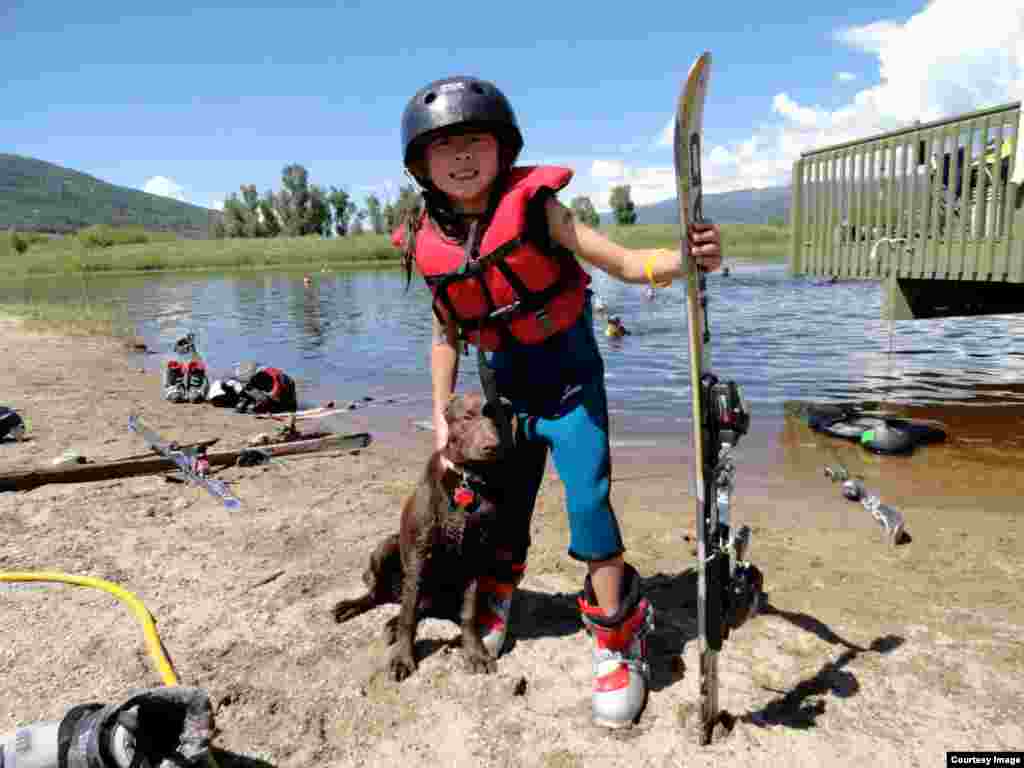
(621, 673)
(495, 606)
(160, 726)
(197, 383)
(175, 385)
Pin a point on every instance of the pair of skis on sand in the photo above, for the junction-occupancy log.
(191, 462)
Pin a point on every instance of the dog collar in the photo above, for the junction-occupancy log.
(463, 496)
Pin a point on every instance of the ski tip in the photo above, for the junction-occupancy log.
(232, 503)
(702, 61)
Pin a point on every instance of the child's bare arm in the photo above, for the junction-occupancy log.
(444, 367)
(629, 264)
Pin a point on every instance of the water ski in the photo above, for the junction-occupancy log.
(729, 587)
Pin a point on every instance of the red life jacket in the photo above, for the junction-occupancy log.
(279, 388)
(513, 289)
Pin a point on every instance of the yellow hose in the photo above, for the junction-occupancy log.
(153, 644)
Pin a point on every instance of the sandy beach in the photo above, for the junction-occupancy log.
(864, 654)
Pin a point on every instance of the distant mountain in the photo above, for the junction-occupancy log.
(43, 197)
(744, 206)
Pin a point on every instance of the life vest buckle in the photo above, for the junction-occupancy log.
(506, 310)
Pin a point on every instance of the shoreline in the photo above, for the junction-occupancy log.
(862, 653)
(310, 267)
(335, 267)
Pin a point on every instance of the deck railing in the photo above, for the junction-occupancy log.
(931, 201)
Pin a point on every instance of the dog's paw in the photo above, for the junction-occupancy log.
(479, 662)
(349, 609)
(346, 609)
(401, 665)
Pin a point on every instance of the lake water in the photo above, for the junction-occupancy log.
(782, 338)
(786, 340)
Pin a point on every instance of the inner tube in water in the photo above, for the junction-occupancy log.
(878, 435)
(820, 417)
(922, 433)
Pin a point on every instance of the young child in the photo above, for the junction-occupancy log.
(498, 251)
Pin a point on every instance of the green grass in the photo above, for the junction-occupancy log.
(757, 242)
(72, 255)
(81, 318)
(104, 236)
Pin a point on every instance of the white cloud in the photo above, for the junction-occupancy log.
(742, 166)
(721, 156)
(845, 77)
(805, 117)
(216, 205)
(668, 133)
(165, 187)
(608, 169)
(385, 191)
(873, 37)
(648, 184)
(928, 68)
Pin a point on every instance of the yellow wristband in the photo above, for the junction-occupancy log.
(649, 271)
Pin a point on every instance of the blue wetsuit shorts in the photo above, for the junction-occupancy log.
(558, 395)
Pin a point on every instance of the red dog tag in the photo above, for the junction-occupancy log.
(463, 496)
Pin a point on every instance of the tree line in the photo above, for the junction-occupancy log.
(620, 200)
(302, 208)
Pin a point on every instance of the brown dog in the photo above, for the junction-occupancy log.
(432, 566)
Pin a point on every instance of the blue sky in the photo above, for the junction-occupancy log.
(192, 101)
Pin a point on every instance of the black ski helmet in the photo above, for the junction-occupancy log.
(459, 101)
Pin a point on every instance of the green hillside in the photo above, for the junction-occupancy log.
(42, 197)
(743, 206)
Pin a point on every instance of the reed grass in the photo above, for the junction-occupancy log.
(79, 318)
(71, 255)
(88, 255)
(754, 242)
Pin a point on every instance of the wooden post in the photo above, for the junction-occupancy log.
(796, 218)
(111, 470)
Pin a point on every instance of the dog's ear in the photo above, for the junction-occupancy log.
(490, 409)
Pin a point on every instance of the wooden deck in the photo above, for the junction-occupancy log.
(935, 208)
